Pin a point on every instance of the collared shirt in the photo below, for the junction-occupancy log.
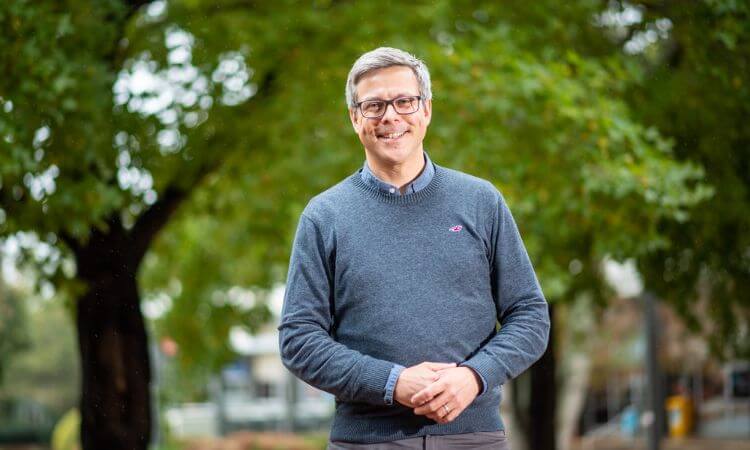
(420, 182)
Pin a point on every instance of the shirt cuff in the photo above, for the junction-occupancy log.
(390, 386)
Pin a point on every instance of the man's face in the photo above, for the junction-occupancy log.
(392, 138)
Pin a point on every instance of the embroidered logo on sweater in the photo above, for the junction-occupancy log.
(456, 228)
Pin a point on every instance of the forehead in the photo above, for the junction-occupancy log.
(387, 83)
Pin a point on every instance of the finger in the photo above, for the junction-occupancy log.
(440, 416)
(452, 415)
(428, 393)
(434, 405)
(438, 366)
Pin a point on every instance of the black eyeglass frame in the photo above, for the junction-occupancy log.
(389, 103)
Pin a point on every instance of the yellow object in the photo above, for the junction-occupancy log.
(680, 414)
(65, 434)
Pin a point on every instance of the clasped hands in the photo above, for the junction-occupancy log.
(440, 391)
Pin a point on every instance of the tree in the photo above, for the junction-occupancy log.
(210, 124)
(696, 90)
(62, 177)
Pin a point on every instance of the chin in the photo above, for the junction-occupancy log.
(397, 153)
(394, 155)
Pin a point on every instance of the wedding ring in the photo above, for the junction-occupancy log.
(447, 411)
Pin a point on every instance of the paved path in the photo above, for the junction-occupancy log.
(667, 444)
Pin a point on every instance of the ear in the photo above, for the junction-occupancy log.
(356, 118)
(427, 111)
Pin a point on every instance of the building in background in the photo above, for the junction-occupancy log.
(255, 392)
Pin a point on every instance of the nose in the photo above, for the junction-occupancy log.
(390, 112)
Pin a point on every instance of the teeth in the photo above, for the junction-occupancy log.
(394, 135)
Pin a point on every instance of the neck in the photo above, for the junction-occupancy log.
(398, 174)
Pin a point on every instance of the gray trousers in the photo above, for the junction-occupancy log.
(483, 440)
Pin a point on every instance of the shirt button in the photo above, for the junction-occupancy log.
(391, 190)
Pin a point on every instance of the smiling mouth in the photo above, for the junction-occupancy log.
(391, 136)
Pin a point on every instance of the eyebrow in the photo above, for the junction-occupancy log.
(401, 94)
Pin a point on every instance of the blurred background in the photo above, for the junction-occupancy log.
(155, 157)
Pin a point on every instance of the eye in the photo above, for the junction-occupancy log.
(374, 106)
(404, 102)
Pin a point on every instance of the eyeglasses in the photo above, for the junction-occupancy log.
(375, 109)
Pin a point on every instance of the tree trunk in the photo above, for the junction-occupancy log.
(115, 368)
(115, 376)
(535, 398)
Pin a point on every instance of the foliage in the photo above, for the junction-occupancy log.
(696, 89)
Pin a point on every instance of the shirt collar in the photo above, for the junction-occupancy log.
(420, 182)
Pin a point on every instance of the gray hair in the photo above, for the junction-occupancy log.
(383, 57)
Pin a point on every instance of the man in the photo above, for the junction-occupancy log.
(398, 276)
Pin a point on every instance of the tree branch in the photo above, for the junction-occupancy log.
(157, 215)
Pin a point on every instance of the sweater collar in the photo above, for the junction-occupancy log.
(416, 185)
(436, 182)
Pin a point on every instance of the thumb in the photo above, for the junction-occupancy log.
(438, 366)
